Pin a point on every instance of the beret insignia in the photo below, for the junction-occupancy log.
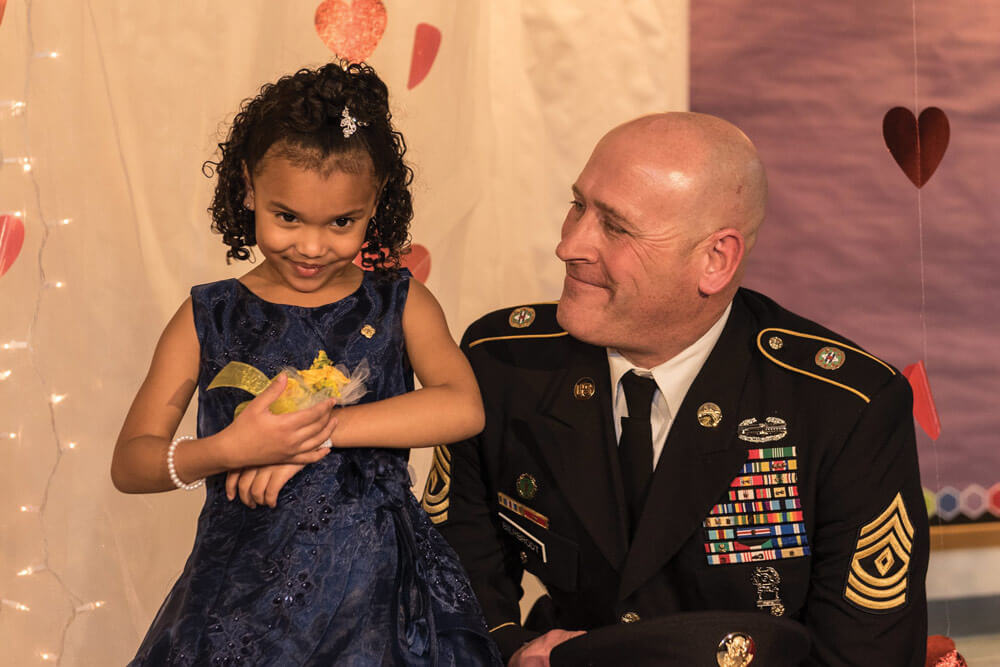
(435, 501)
(880, 567)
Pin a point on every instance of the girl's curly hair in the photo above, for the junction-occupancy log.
(303, 111)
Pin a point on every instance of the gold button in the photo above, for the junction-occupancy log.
(775, 343)
(630, 617)
(524, 558)
(368, 331)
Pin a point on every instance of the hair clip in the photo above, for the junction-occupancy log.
(349, 123)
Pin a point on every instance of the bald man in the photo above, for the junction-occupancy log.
(664, 441)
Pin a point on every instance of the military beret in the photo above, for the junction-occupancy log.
(724, 638)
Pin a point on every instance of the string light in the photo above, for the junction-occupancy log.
(5, 374)
(90, 606)
(65, 221)
(12, 435)
(71, 445)
(25, 162)
(30, 570)
(15, 345)
(15, 107)
(49, 657)
(29, 508)
(46, 54)
(57, 398)
(57, 284)
(14, 604)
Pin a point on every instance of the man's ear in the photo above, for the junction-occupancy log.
(248, 201)
(723, 254)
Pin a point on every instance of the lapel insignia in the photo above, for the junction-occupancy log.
(368, 331)
(517, 508)
(879, 576)
(709, 415)
(527, 486)
(584, 389)
(830, 358)
(529, 541)
(760, 518)
(521, 317)
(773, 428)
(435, 501)
(766, 580)
(736, 649)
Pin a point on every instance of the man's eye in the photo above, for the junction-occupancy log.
(612, 228)
(576, 204)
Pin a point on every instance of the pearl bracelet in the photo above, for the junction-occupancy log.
(172, 469)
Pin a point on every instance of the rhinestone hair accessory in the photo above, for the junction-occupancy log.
(348, 123)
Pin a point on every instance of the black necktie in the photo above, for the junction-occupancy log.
(635, 448)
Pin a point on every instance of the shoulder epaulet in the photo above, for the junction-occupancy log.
(531, 321)
(825, 359)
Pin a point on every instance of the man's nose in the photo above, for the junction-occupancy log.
(578, 242)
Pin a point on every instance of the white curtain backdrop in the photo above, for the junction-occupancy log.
(116, 126)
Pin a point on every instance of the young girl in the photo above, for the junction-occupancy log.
(326, 557)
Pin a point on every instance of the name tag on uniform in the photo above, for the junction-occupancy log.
(530, 542)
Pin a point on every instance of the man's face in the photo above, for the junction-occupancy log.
(628, 243)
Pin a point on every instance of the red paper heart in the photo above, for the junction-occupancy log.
(924, 409)
(426, 42)
(3, 6)
(916, 145)
(351, 28)
(417, 260)
(11, 240)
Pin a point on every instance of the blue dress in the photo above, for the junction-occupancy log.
(347, 569)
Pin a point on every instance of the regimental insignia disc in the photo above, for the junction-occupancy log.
(830, 358)
(584, 389)
(736, 649)
(709, 415)
(521, 317)
(527, 486)
(775, 343)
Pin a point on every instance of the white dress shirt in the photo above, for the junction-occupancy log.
(673, 379)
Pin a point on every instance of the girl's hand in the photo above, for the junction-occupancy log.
(259, 437)
(260, 486)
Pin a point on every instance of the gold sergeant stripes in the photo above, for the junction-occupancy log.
(435, 501)
(879, 574)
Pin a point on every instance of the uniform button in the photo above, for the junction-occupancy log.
(524, 558)
(630, 617)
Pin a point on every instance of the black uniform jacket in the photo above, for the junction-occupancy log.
(788, 484)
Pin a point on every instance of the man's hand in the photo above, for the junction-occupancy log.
(536, 652)
(259, 486)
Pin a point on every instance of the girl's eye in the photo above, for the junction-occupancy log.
(286, 217)
(342, 222)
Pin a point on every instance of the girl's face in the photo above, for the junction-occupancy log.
(310, 223)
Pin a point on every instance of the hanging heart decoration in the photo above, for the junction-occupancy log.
(917, 144)
(11, 240)
(351, 28)
(426, 43)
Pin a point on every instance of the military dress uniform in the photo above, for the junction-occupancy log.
(788, 485)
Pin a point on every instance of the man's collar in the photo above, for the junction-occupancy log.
(674, 376)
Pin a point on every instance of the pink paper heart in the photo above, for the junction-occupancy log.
(351, 28)
(426, 43)
(417, 260)
(11, 240)
(917, 145)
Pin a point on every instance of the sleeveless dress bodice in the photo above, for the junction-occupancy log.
(346, 569)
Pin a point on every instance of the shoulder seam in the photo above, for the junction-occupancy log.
(493, 338)
(769, 356)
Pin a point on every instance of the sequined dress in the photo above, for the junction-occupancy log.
(347, 569)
